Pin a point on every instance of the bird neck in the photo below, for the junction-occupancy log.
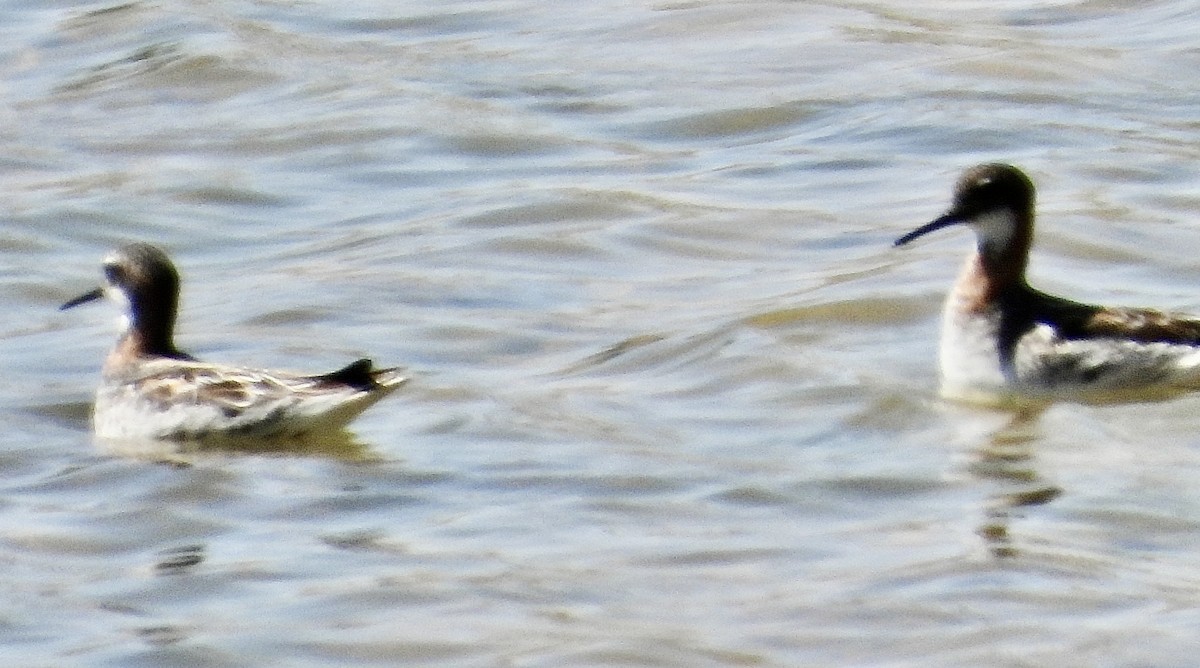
(150, 333)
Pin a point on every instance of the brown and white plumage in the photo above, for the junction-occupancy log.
(153, 390)
(1002, 337)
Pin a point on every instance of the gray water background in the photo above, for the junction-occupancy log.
(674, 397)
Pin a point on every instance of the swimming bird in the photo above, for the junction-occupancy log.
(1003, 339)
(151, 390)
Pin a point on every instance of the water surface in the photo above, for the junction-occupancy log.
(675, 399)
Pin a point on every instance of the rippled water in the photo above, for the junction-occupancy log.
(675, 394)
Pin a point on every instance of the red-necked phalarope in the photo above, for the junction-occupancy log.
(152, 390)
(1003, 339)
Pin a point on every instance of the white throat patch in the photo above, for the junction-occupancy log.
(994, 229)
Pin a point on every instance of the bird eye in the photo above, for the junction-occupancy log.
(114, 273)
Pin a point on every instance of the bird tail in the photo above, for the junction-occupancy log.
(361, 375)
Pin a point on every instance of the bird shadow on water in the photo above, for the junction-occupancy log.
(341, 445)
(1007, 458)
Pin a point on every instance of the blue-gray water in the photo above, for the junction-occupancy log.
(675, 394)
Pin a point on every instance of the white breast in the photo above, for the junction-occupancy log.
(969, 359)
